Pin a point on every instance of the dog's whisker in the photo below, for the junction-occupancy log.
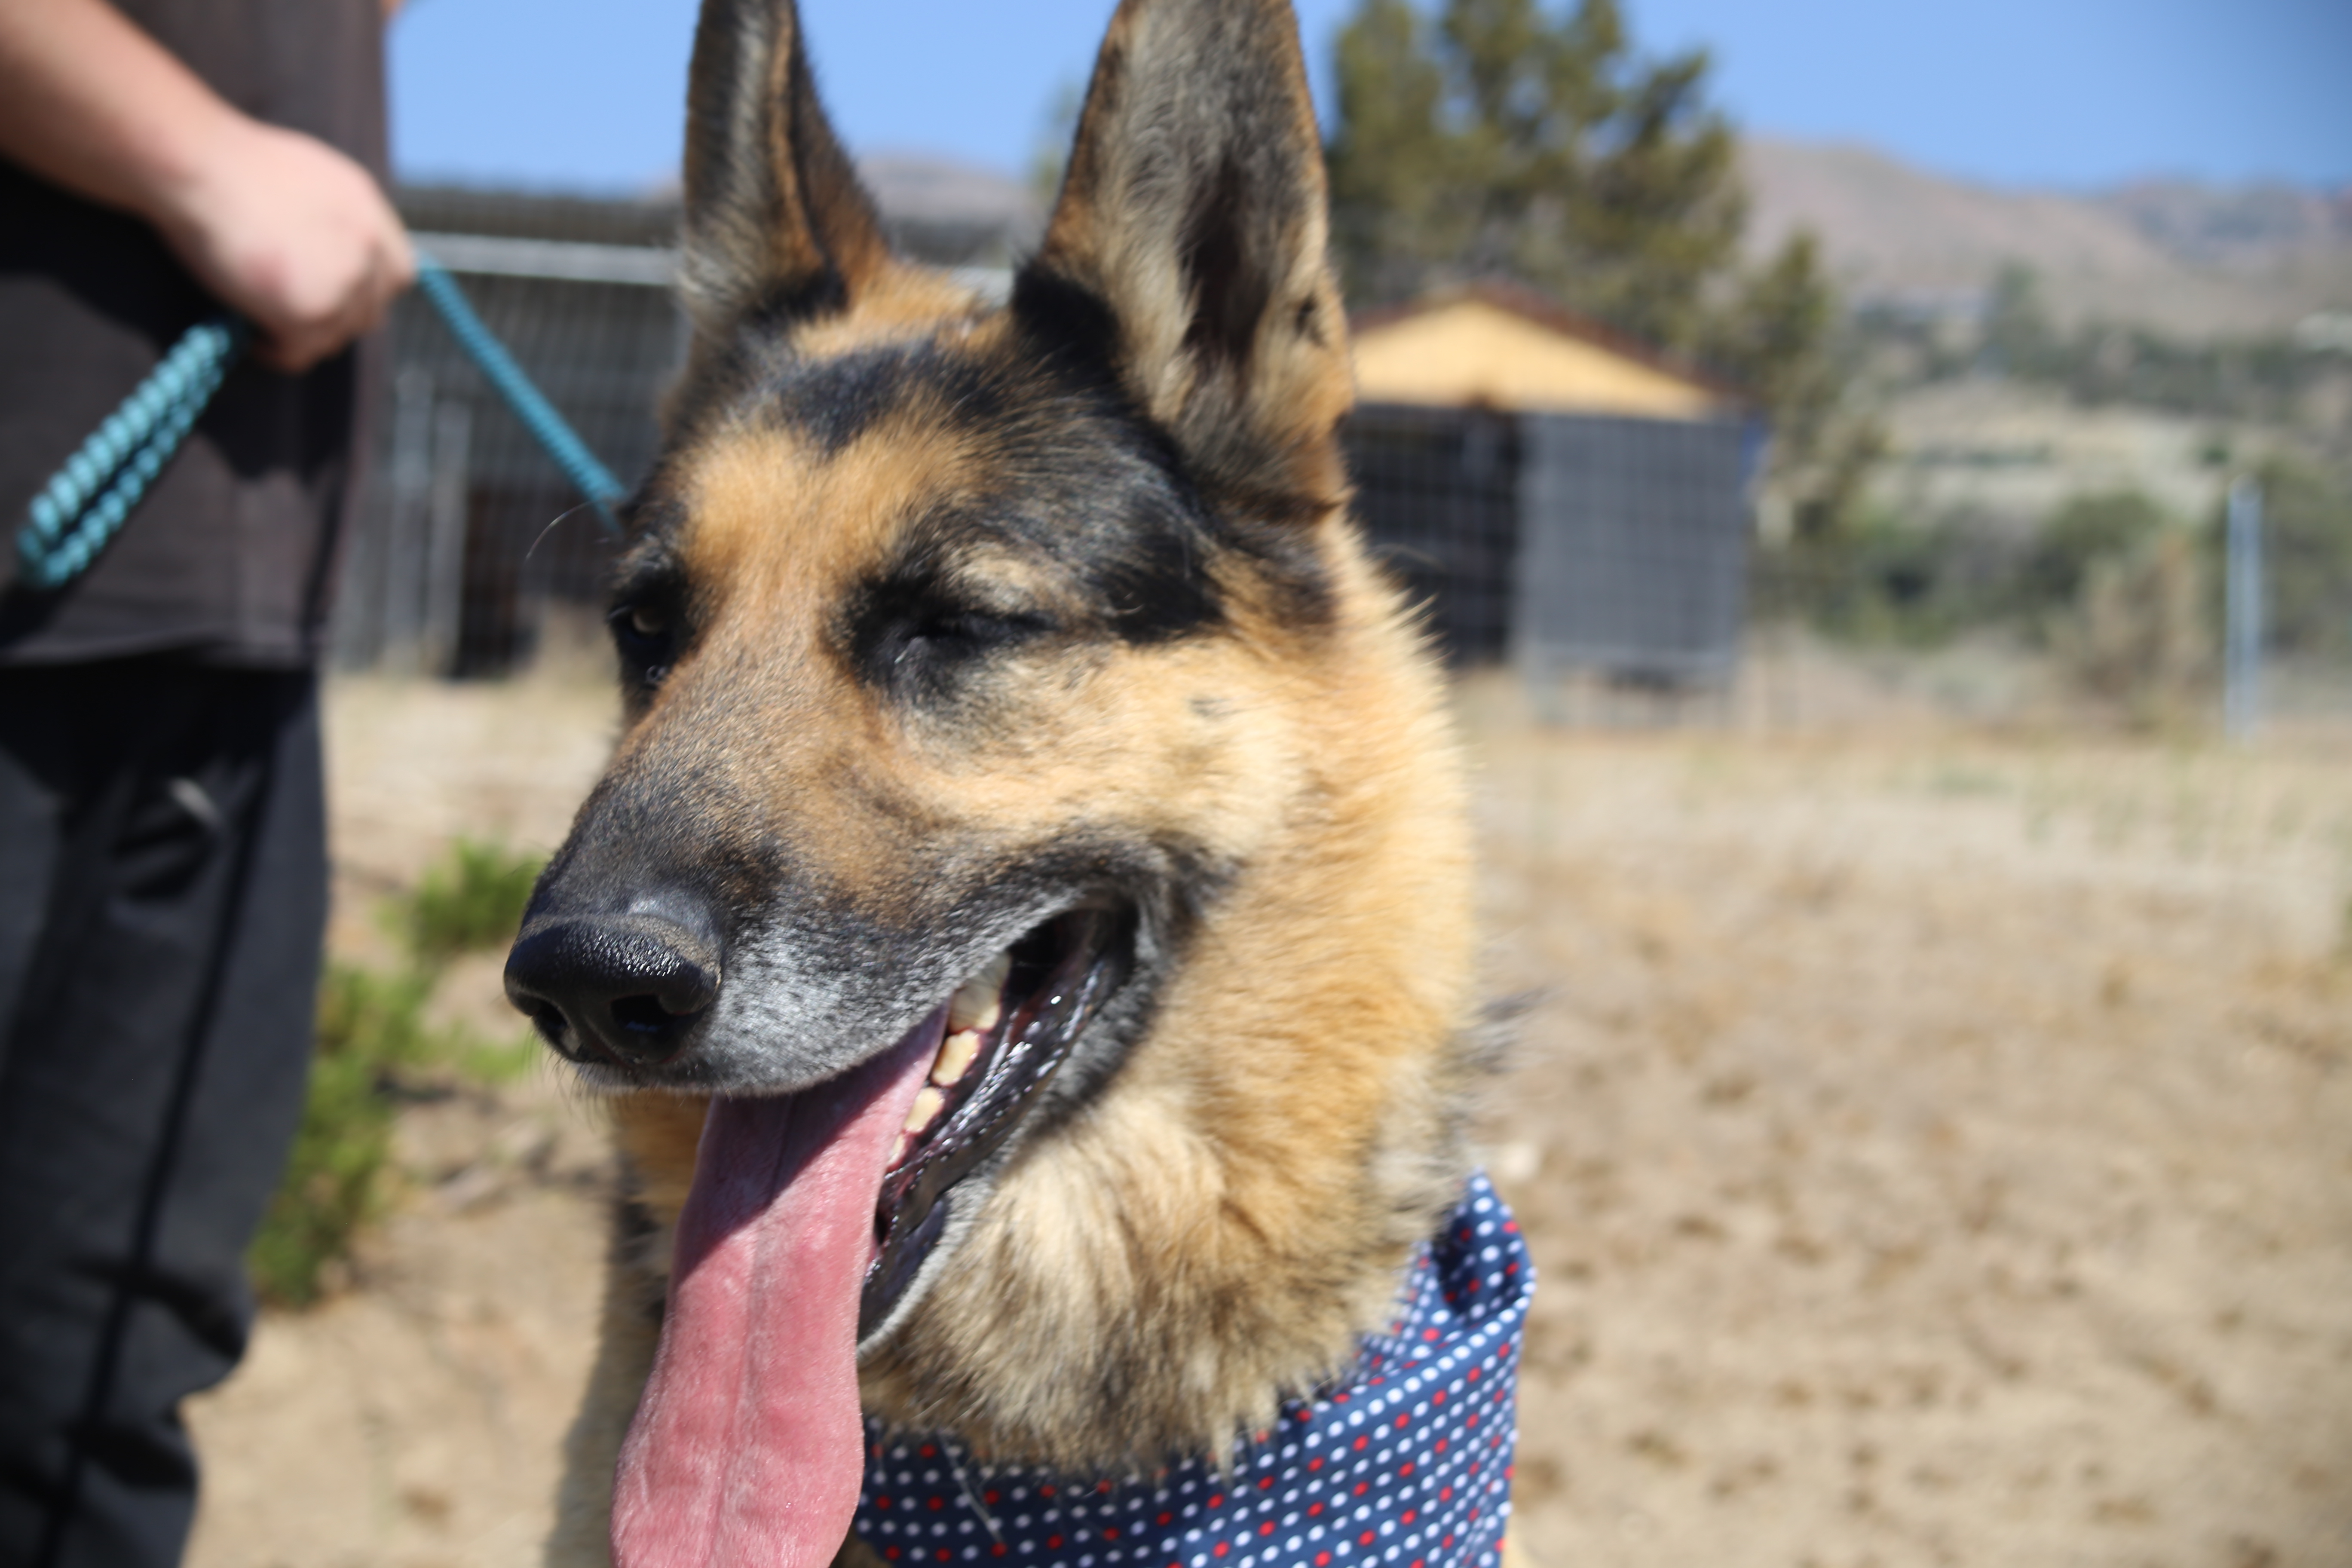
(557, 520)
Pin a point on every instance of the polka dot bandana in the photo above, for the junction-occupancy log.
(1407, 1462)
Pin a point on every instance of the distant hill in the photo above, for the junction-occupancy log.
(2233, 226)
(2190, 260)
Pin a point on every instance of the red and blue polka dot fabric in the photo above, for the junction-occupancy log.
(1407, 1465)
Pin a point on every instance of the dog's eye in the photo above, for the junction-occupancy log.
(921, 642)
(645, 636)
(957, 635)
(976, 630)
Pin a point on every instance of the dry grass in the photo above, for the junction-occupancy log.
(1938, 1148)
(1935, 1152)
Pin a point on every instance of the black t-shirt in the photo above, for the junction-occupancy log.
(230, 556)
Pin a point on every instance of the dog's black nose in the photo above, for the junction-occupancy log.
(625, 987)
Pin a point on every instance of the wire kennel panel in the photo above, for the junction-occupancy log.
(1437, 497)
(1633, 559)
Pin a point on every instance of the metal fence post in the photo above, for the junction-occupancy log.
(2241, 680)
(441, 628)
(402, 590)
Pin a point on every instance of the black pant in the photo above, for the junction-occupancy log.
(163, 896)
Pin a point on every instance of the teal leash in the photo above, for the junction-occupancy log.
(86, 501)
(539, 417)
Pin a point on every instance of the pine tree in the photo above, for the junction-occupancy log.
(1503, 140)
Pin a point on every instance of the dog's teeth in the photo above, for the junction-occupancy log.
(927, 1105)
(980, 1001)
(956, 1053)
(898, 1150)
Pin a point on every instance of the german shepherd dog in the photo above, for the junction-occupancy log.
(1024, 925)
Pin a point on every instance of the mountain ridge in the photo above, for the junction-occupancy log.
(2191, 259)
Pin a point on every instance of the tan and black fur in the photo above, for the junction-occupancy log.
(941, 617)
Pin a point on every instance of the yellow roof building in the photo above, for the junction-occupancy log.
(1495, 346)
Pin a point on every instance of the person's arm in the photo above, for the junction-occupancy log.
(279, 226)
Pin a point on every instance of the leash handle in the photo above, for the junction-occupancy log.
(86, 502)
(78, 513)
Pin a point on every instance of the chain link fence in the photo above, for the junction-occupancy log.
(1611, 560)
(1599, 546)
(466, 532)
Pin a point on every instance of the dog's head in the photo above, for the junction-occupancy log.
(1031, 819)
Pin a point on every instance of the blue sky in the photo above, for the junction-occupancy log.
(2076, 93)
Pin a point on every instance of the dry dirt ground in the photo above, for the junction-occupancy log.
(1936, 1145)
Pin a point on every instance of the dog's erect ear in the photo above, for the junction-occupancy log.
(776, 222)
(1193, 212)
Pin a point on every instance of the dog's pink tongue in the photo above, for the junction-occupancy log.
(747, 1444)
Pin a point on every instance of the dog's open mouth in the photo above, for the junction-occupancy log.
(810, 1217)
(1006, 1031)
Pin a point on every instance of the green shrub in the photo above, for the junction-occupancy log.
(372, 1040)
(471, 901)
(1885, 580)
(2139, 636)
(370, 1024)
(2082, 539)
(491, 1063)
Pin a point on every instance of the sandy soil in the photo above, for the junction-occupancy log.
(1937, 1148)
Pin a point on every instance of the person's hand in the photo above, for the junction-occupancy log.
(289, 232)
(279, 227)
